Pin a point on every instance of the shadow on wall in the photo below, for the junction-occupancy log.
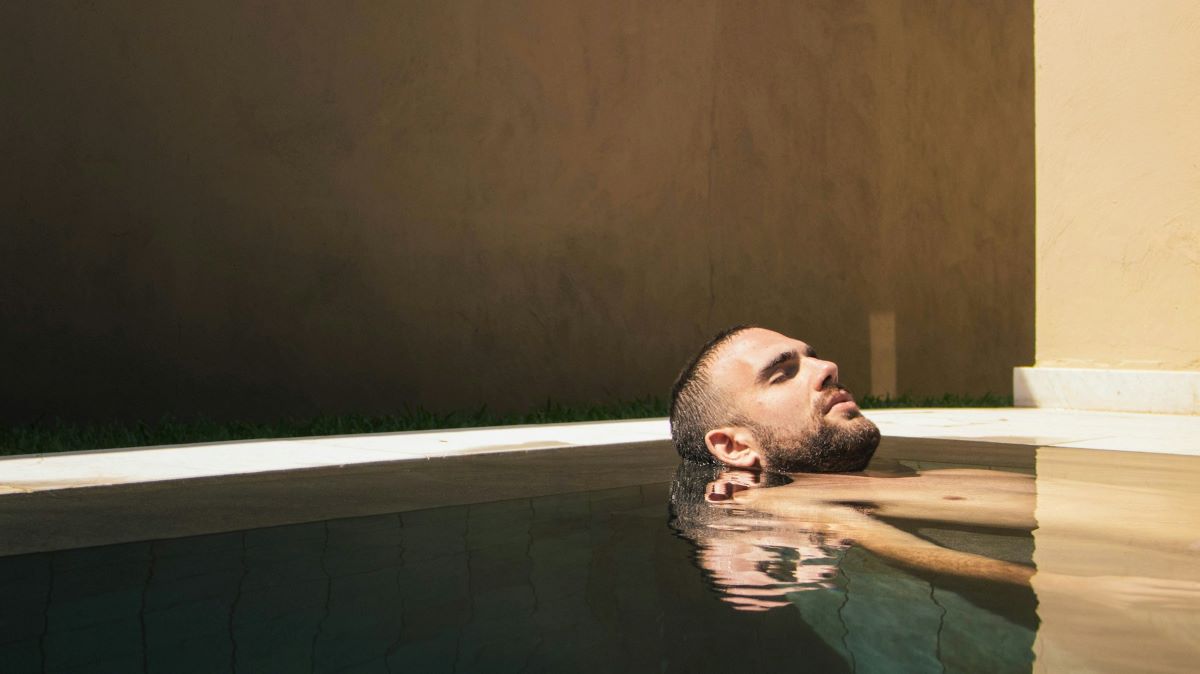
(239, 211)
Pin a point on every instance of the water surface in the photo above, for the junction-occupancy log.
(964, 558)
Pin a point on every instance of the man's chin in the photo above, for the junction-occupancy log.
(868, 437)
(852, 459)
(845, 446)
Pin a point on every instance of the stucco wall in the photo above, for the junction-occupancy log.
(1118, 184)
(250, 209)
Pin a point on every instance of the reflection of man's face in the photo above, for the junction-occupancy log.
(753, 560)
(792, 404)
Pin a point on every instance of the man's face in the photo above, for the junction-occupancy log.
(790, 402)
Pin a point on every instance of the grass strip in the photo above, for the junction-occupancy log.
(60, 436)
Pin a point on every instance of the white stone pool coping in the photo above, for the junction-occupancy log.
(1163, 433)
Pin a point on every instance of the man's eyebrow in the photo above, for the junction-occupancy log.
(765, 373)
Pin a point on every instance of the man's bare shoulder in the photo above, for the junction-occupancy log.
(964, 495)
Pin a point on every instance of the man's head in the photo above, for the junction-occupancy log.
(753, 398)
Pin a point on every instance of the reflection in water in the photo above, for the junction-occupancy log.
(892, 570)
(855, 556)
(1128, 525)
(579, 582)
(753, 559)
(897, 568)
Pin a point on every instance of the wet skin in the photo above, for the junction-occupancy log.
(954, 495)
(785, 396)
(817, 512)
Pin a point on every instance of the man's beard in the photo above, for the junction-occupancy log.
(824, 447)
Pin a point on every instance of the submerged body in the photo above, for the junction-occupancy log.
(1114, 571)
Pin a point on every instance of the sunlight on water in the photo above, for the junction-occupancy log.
(1050, 560)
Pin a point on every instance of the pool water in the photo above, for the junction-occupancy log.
(590, 581)
(640, 578)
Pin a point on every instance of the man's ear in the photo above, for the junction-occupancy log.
(734, 446)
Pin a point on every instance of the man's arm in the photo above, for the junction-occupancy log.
(883, 539)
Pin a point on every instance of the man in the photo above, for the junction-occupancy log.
(761, 421)
(755, 399)
(876, 596)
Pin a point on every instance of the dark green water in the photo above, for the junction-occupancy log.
(590, 581)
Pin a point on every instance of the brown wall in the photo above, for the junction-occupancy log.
(253, 208)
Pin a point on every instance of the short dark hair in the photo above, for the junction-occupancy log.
(696, 406)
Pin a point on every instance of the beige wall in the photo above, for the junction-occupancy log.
(250, 209)
(1118, 184)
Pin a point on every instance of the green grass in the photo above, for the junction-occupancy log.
(947, 400)
(61, 436)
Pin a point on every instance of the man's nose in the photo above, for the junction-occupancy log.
(823, 373)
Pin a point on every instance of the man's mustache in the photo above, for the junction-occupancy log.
(832, 386)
